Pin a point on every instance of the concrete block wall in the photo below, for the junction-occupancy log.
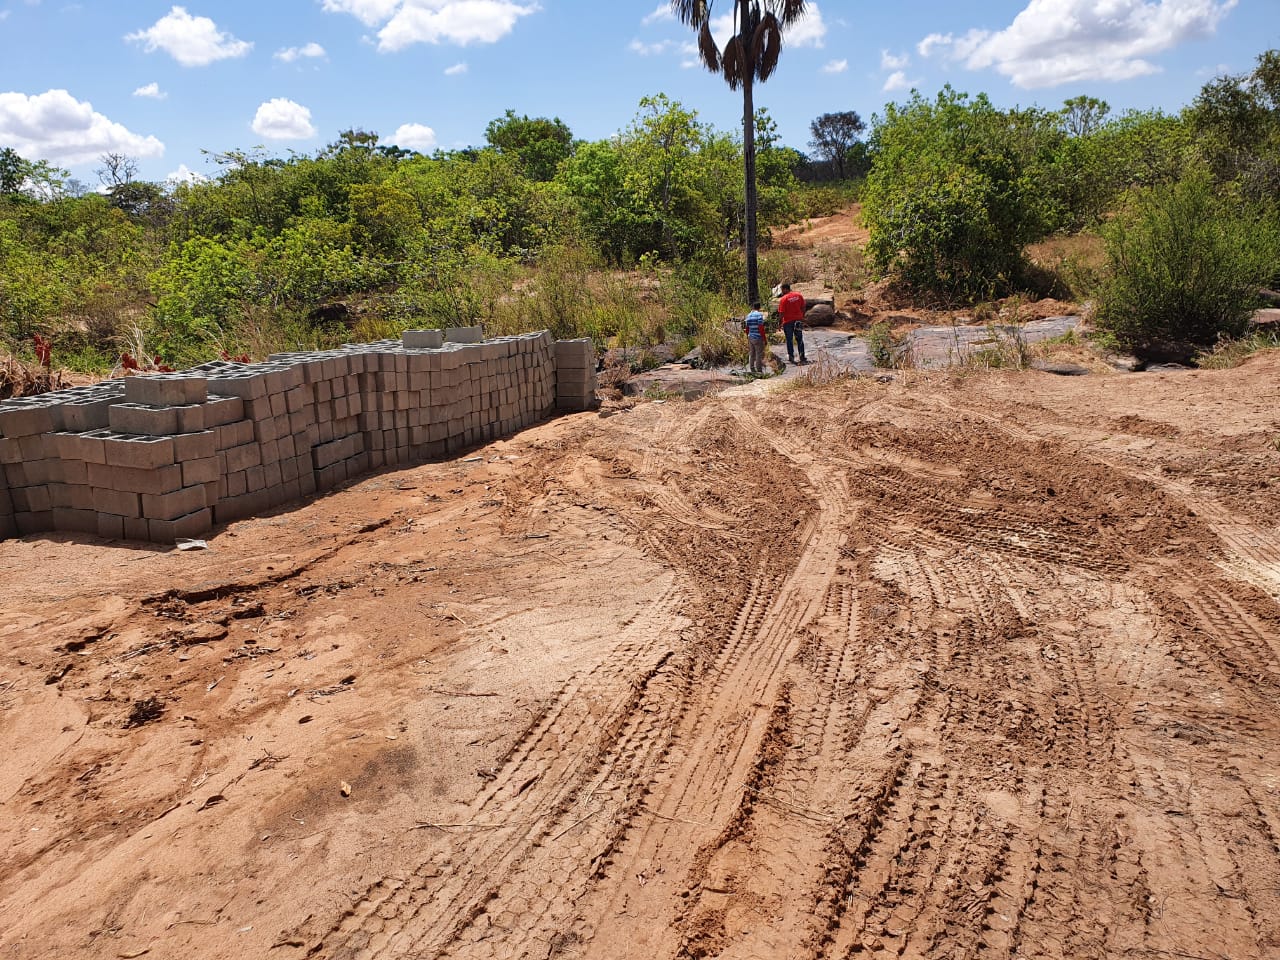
(164, 456)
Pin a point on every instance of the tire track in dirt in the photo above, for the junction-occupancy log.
(723, 735)
(587, 739)
(568, 788)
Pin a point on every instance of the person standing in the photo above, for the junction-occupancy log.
(791, 311)
(753, 323)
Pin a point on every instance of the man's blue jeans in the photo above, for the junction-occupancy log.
(795, 340)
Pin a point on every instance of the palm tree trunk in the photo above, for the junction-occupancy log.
(749, 161)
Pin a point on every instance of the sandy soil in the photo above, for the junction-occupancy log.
(954, 666)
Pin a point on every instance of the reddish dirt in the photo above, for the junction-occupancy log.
(956, 666)
(819, 246)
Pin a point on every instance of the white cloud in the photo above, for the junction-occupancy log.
(403, 23)
(192, 41)
(654, 49)
(1055, 42)
(898, 81)
(456, 70)
(282, 119)
(55, 126)
(808, 31)
(835, 66)
(289, 54)
(414, 136)
(369, 12)
(151, 91)
(184, 175)
(663, 12)
(889, 61)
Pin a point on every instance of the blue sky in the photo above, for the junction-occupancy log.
(162, 82)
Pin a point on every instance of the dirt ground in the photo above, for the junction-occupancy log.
(954, 666)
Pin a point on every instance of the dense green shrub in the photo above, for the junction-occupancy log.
(1184, 266)
(955, 193)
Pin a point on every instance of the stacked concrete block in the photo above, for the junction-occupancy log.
(575, 365)
(160, 457)
(423, 339)
(30, 462)
(463, 334)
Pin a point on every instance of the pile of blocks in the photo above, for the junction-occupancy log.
(575, 375)
(162, 457)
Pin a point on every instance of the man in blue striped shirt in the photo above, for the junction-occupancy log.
(753, 323)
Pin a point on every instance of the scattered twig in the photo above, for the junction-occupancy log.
(769, 798)
(462, 693)
(217, 918)
(578, 823)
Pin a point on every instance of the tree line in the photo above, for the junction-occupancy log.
(362, 238)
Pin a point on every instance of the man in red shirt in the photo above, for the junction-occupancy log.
(791, 310)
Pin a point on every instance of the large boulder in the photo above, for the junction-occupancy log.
(820, 315)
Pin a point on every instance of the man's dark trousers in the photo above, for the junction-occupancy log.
(795, 340)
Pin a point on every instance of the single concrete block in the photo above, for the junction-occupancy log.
(120, 502)
(75, 521)
(36, 447)
(170, 506)
(247, 385)
(138, 452)
(463, 334)
(259, 408)
(137, 528)
(195, 446)
(110, 526)
(142, 420)
(223, 410)
(181, 528)
(192, 418)
(202, 470)
(166, 389)
(242, 457)
(296, 399)
(423, 339)
(87, 415)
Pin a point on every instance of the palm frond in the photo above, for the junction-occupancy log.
(787, 11)
(734, 63)
(691, 12)
(766, 47)
(707, 48)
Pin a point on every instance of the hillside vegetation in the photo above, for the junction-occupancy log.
(636, 240)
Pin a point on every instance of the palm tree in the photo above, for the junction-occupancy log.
(750, 54)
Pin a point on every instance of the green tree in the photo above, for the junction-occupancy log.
(1236, 120)
(1185, 265)
(750, 55)
(834, 136)
(537, 143)
(30, 179)
(1082, 115)
(955, 192)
